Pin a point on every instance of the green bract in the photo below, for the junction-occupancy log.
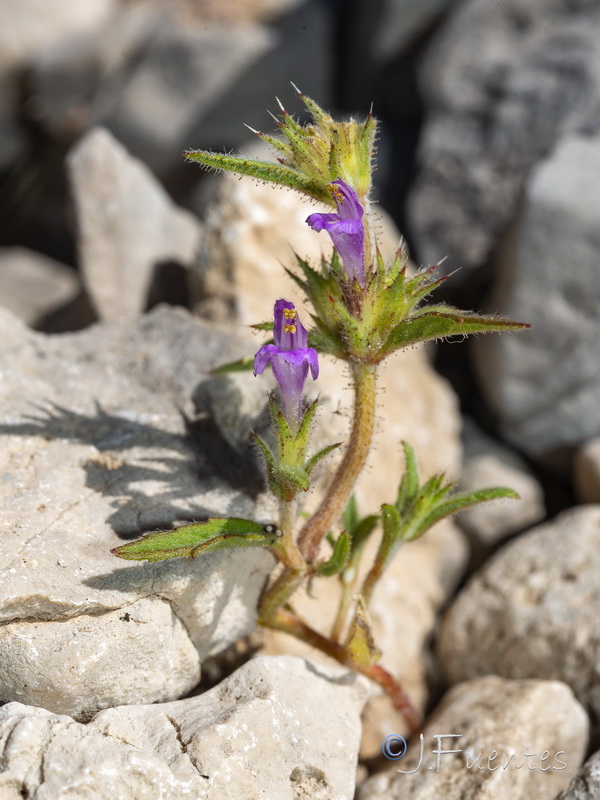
(310, 156)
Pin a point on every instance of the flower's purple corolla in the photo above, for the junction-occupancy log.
(290, 359)
(346, 228)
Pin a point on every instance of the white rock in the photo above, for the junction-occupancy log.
(32, 285)
(94, 448)
(543, 383)
(587, 471)
(260, 733)
(127, 225)
(531, 612)
(491, 720)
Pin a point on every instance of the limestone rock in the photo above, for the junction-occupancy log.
(490, 523)
(260, 733)
(492, 721)
(586, 784)
(543, 383)
(531, 612)
(127, 225)
(587, 472)
(503, 82)
(95, 449)
(33, 286)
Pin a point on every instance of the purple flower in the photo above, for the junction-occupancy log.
(345, 228)
(290, 359)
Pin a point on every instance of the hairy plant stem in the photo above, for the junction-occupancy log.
(357, 450)
(285, 621)
(279, 593)
(287, 519)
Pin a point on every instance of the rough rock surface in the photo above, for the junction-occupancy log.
(503, 82)
(251, 233)
(586, 784)
(403, 612)
(261, 733)
(493, 720)
(95, 449)
(127, 225)
(587, 472)
(32, 285)
(544, 383)
(531, 612)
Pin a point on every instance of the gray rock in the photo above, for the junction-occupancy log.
(488, 524)
(33, 286)
(76, 82)
(197, 82)
(95, 448)
(25, 28)
(543, 383)
(586, 474)
(531, 612)
(503, 82)
(586, 784)
(492, 721)
(127, 225)
(401, 22)
(260, 733)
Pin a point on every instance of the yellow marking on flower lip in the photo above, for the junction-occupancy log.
(289, 328)
(289, 313)
(335, 192)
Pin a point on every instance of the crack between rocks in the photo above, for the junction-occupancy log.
(183, 745)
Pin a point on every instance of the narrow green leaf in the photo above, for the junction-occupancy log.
(263, 326)
(263, 170)
(360, 535)
(189, 541)
(314, 460)
(409, 485)
(350, 516)
(458, 503)
(339, 557)
(244, 364)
